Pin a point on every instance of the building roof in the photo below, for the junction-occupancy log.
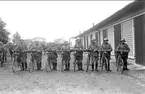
(128, 11)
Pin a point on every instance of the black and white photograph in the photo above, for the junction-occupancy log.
(72, 47)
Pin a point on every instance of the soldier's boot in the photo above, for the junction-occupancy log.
(38, 65)
(125, 65)
(25, 65)
(81, 67)
(92, 66)
(96, 66)
(22, 66)
(68, 66)
(109, 66)
(55, 68)
(78, 66)
(65, 66)
(53, 64)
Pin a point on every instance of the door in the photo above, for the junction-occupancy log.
(96, 36)
(139, 28)
(105, 34)
(85, 42)
(117, 34)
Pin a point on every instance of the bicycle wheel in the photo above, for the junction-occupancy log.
(30, 67)
(62, 66)
(120, 65)
(74, 65)
(48, 65)
(106, 64)
(15, 66)
(88, 64)
(102, 63)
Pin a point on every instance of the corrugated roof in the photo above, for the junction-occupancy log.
(126, 12)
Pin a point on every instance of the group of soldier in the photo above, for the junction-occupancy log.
(94, 52)
(3, 52)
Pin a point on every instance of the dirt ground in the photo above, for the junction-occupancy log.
(57, 82)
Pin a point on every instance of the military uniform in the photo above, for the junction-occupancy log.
(23, 56)
(54, 59)
(94, 55)
(1, 54)
(66, 56)
(79, 55)
(38, 55)
(123, 46)
(108, 48)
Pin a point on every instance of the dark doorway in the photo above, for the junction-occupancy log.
(117, 34)
(139, 27)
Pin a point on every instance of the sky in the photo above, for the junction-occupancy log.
(55, 19)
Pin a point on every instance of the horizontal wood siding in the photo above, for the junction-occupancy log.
(110, 32)
(127, 33)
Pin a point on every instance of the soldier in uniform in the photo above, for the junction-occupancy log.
(66, 55)
(54, 59)
(108, 48)
(79, 54)
(1, 53)
(5, 53)
(94, 54)
(23, 55)
(38, 55)
(125, 48)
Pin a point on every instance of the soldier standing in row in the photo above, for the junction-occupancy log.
(125, 48)
(66, 56)
(54, 59)
(94, 54)
(23, 55)
(108, 48)
(1, 54)
(38, 55)
(79, 54)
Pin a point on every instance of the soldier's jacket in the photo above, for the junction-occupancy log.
(66, 53)
(94, 47)
(38, 48)
(123, 47)
(78, 46)
(106, 46)
(53, 55)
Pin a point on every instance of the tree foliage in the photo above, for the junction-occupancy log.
(16, 38)
(4, 34)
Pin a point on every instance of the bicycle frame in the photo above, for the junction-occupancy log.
(102, 61)
(118, 65)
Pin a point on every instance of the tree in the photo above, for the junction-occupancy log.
(59, 41)
(16, 38)
(4, 34)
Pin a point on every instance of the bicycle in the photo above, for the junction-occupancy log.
(49, 63)
(104, 60)
(119, 61)
(30, 61)
(89, 58)
(15, 62)
(77, 59)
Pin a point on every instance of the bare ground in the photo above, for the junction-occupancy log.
(57, 82)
